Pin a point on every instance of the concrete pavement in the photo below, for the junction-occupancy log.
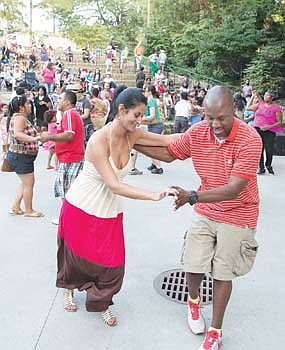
(32, 316)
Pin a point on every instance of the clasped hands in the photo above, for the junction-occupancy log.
(180, 195)
(43, 136)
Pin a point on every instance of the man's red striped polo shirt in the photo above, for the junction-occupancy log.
(216, 161)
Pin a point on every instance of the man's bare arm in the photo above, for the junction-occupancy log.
(160, 153)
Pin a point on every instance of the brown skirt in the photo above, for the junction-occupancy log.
(100, 282)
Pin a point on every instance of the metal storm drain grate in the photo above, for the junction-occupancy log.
(172, 285)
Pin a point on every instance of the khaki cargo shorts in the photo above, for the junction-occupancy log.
(224, 250)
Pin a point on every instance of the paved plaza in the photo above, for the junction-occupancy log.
(32, 316)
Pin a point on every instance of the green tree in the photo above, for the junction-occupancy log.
(88, 35)
(223, 38)
(11, 15)
(122, 19)
(267, 69)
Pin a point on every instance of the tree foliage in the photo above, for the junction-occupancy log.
(267, 68)
(10, 12)
(221, 38)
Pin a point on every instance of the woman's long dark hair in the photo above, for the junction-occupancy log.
(129, 97)
(14, 106)
(44, 89)
(99, 74)
(152, 89)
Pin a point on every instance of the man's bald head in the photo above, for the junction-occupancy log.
(218, 97)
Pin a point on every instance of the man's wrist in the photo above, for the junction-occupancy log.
(193, 197)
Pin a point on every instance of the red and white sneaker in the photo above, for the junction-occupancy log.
(212, 341)
(196, 320)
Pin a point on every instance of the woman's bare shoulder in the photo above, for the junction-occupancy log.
(98, 143)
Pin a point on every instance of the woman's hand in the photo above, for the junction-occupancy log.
(44, 136)
(157, 196)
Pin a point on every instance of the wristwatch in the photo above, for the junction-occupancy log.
(193, 197)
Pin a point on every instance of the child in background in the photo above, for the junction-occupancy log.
(3, 127)
(50, 118)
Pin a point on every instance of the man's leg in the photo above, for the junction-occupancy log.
(193, 283)
(196, 320)
(221, 295)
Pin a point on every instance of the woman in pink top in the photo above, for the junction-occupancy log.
(48, 75)
(267, 121)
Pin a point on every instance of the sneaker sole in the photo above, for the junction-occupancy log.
(202, 332)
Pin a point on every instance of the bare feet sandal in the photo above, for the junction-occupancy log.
(16, 211)
(68, 303)
(109, 318)
(34, 214)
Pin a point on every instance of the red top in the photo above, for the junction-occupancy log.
(72, 151)
(216, 161)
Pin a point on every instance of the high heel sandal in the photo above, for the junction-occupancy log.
(109, 318)
(68, 303)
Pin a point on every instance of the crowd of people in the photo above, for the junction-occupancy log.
(93, 129)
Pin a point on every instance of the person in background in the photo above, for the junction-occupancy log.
(48, 75)
(184, 87)
(68, 54)
(154, 123)
(248, 114)
(98, 110)
(159, 76)
(23, 151)
(140, 78)
(239, 106)
(162, 60)
(123, 58)
(107, 90)
(44, 55)
(83, 107)
(161, 107)
(138, 52)
(196, 110)
(50, 118)
(247, 90)
(32, 61)
(97, 77)
(267, 122)
(182, 113)
(147, 83)
(153, 63)
(169, 105)
(3, 126)
(42, 103)
(69, 145)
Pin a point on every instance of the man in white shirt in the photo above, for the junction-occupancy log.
(182, 112)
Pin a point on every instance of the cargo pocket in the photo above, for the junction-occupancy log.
(246, 258)
(183, 248)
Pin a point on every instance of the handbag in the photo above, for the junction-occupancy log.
(5, 167)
